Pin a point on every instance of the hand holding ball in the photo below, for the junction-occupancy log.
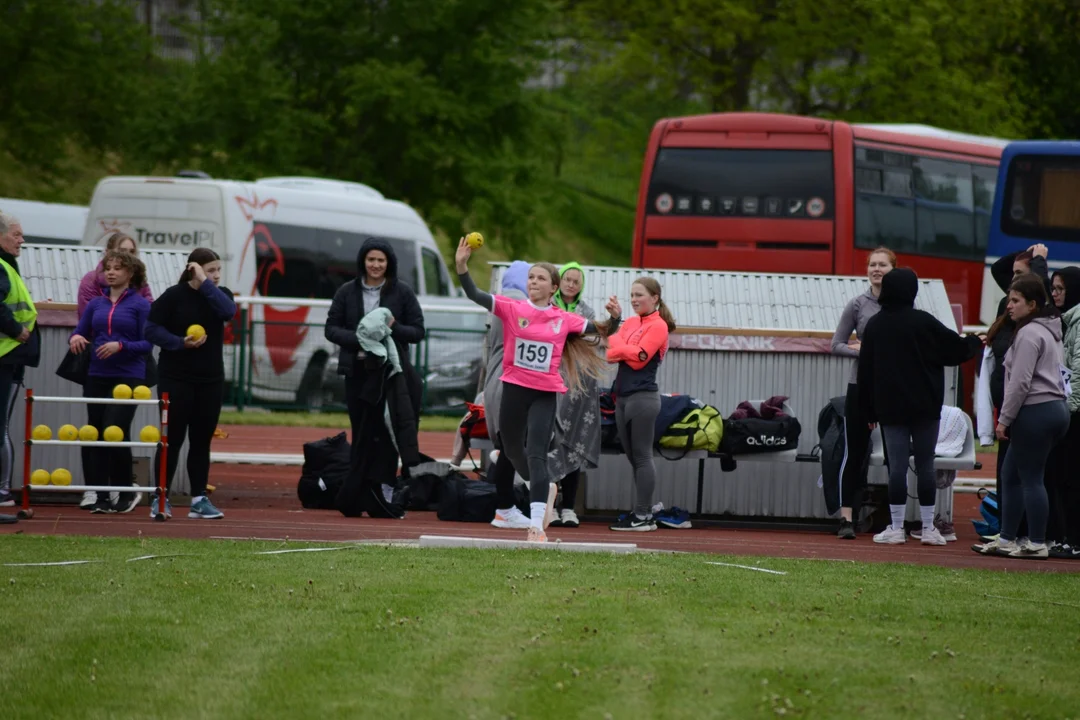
(474, 240)
(196, 332)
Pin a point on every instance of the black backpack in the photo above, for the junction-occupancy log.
(326, 467)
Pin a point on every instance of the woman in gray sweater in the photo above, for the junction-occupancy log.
(1034, 417)
(856, 428)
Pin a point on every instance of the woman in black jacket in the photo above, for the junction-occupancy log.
(377, 285)
(901, 367)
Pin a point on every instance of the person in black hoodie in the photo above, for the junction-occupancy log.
(192, 370)
(902, 387)
(1062, 478)
(377, 285)
(20, 345)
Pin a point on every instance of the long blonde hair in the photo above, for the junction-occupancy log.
(580, 358)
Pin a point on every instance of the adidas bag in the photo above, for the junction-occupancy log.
(757, 435)
(700, 429)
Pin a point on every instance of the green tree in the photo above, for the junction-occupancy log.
(72, 72)
(424, 99)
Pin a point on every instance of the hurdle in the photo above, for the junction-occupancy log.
(27, 512)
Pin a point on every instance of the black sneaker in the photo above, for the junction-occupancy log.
(103, 505)
(1065, 552)
(846, 531)
(632, 523)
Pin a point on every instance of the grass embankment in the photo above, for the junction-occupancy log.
(400, 632)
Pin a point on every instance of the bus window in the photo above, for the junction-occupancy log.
(884, 202)
(434, 280)
(944, 217)
(746, 183)
(984, 182)
(1041, 198)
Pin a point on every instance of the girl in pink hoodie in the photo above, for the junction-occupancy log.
(1034, 417)
(94, 281)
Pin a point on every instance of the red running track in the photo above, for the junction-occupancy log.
(260, 502)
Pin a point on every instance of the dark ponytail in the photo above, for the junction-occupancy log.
(202, 256)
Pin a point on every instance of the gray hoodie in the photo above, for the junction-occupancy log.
(853, 320)
(1033, 368)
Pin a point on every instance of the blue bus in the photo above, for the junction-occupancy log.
(1037, 200)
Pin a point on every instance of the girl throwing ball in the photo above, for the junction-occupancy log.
(538, 338)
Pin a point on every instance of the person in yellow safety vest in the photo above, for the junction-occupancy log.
(19, 342)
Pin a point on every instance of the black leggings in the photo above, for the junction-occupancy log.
(194, 409)
(526, 425)
(921, 440)
(569, 490)
(102, 464)
(856, 450)
(1033, 434)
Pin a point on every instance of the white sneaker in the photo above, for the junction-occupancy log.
(1030, 550)
(997, 546)
(569, 519)
(932, 536)
(512, 519)
(89, 499)
(891, 536)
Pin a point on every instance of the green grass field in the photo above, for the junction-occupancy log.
(401, 632)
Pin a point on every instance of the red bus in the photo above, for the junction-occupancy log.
(759, 192)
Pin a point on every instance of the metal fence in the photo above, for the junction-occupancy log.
(280, 360)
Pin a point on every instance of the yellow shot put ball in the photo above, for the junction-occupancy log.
(141, 392)
(113, 434)
(61, 476)
(40, 477)
(474, 240)
(88, 433)
(149, 434)
(42, 432)
(196, 332)
(68, 433)
(121, 392)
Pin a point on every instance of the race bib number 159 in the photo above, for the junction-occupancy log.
(533, 355)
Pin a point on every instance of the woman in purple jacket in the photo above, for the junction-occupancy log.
(112, 329)
(93, 282)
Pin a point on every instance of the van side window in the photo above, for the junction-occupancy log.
(434, 279)
(338, 250)
(287, 264)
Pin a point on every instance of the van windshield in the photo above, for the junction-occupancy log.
(305, 262)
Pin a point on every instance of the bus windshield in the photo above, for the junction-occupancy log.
(742, 183)
(1042, 198)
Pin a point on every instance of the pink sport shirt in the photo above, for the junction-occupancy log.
(534, 339)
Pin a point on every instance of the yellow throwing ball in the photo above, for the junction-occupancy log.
(113, 434)
(88, 433)
(474, 240)
(40, 477)
(42, 432)
(61, 476)
(121, 392)
(68, 433)
(149, 434)
(141, 392)
(196, 332)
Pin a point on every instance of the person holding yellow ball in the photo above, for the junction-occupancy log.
(112, 329)
(188, 323)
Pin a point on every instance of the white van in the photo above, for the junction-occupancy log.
(286, 237)
(48, 223)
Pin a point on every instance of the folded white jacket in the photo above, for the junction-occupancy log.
(984, 404)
